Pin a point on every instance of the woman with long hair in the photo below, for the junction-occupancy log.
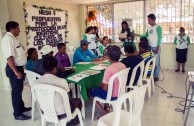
(129, 39)
(90, 37)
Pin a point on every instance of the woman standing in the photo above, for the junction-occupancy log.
(181, 41)
(90, 37)
(129, 40)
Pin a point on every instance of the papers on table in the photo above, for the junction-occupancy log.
(77, 77)
(90, 72)
(99, 67)
(83, 62)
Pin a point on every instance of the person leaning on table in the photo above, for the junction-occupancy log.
(15, 56)
(82, 54)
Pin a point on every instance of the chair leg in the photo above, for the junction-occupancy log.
(83, 108)
(93, 109)
(153, 84)
(43, 121)
(190, 102)
(78, 91)
(73, 90)
(33, 107)
(149, 88)
(80, 119)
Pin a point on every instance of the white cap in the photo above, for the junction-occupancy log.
(46, 49)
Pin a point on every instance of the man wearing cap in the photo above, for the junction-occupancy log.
(82, 54)
(15, 56)
(113, 54)
(46, 51)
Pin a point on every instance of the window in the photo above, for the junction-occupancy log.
(132, 12)
(103, 19)
(170, 15)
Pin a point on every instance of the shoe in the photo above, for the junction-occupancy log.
(183, 71)
(177, 70)
(156, 79)
(75, 121)
(27, 109)
(22, 117)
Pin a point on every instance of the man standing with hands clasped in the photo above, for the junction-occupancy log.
(15, 56)
(154, 36)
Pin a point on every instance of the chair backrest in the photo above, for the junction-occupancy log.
(70, 49)
(122, 77)
(139, 81)
(70, 55)
(44, 95)
(98, 52)
(151, 63)
(31, 76)
(136, 102)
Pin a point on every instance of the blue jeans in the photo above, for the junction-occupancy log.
(157, 68)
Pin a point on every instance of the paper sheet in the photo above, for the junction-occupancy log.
(90, 72)
(77, 77)
(83, 62)
(99, 67)
(122, 35)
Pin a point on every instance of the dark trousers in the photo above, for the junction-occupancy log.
(17, 88)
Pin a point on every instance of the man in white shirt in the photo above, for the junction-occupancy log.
(50, 67)
(15, 56)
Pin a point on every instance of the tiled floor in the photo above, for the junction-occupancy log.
(158, 110)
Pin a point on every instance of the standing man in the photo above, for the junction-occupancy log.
(154, 36)
(15, 56)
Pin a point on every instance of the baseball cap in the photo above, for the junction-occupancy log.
(46, 50)
(114, 51)
(82, 42)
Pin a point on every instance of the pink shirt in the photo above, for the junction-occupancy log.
(111, 70)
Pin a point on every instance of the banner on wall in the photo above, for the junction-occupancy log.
(45, 26)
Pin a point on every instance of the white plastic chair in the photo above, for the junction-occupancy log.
(150, 80)
(70, 49)
(70, 55)
(140, 79)
(121, 117)
(122, 77)
(44, 95)
(32, 76)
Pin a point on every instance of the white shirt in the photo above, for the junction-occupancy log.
(182, 41)
(59, 82)
(153, 36)
(12, 47)
(91, 38)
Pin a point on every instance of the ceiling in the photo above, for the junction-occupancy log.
(83, 1)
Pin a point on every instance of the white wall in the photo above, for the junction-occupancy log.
(168, 57)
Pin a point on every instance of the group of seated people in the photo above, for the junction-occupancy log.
(53, 69)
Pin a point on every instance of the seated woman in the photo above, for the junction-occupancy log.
(32, 58)
(46, 51)
(102, 46)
